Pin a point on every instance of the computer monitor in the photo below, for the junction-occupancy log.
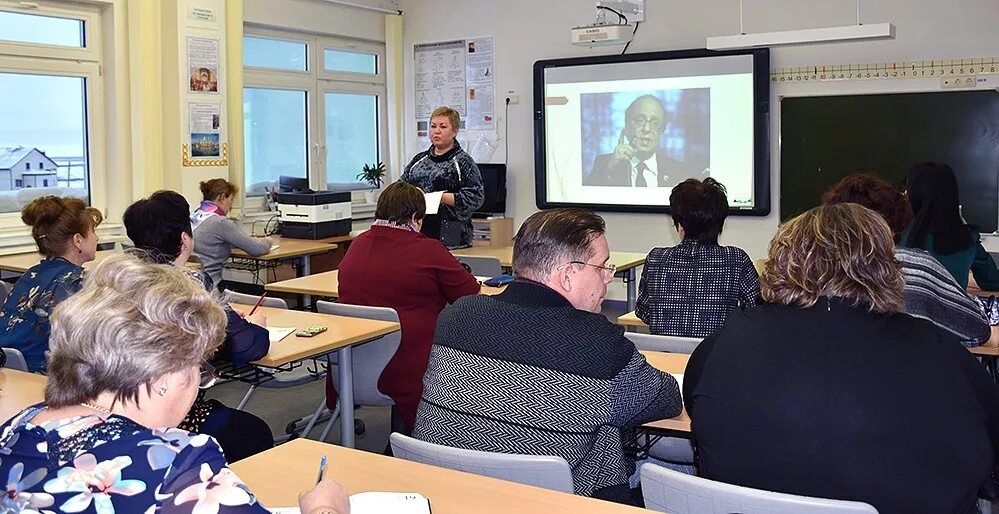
(494, 182)
(294, 184)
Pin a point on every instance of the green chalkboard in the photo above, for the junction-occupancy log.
(825, 138)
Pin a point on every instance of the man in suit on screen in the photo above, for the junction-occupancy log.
(637, 160)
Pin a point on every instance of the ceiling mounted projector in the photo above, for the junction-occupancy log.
(602, 35)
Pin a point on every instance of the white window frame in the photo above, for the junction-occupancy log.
(316, 81)
(86, 63)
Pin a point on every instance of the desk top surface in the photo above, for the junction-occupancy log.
(623, 260)
(289, 248)
(21, 262)
(278, 475)
(673, 363)
(19, 390)
(327, 283)
(341, 331)
(630, 319)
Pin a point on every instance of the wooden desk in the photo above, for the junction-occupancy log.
(20, 390)
(630, 319)
(288, 249)
(627, 264)
(674, 364)
(276, 477)
(19, 263)
(327, 284)
(341, 335)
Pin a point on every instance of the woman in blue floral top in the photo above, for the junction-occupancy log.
(125, 357)
(63, 229)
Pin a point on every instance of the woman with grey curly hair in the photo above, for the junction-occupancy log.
(123, 371)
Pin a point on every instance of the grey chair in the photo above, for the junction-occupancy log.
(15, 359)
(368, 359)
(670, 449)
(5, 289)
(482, 266)
(670, 491)
(671, 344)
(546, 471)
(249, 299)
(282, 379)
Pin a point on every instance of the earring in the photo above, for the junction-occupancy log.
(162, 391)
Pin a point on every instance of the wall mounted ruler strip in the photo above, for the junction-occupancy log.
(963, 69)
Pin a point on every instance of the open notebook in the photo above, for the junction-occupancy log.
(378, 503)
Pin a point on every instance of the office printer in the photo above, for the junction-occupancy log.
(314, 215)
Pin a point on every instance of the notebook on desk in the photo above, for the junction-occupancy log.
(276, 334)
(378, 503)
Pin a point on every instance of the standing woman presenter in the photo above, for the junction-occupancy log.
(446, 169)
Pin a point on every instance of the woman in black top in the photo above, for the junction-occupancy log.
(445, 167)
(829, 391)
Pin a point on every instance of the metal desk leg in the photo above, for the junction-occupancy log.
(306, 271)
(345, 377)
(632, 283)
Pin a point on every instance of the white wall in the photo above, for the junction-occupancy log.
(529, 30)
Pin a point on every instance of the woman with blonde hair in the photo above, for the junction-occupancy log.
(215, 234)
(124, 370)
(64, 230)
(446, 168)
(827, 389)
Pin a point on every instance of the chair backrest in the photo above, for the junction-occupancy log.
(482, 266)
(249, 299)
(15, 359)
(5, 289)
(670, 491)
(546, 471)
(670, 344)
(369, 359)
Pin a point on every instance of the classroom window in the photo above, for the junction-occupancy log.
(277, 54)
(351, 138)
(41, 30)
(53, 110)
(350, 61)
(276, 135)
(341, 126)
(51, 83)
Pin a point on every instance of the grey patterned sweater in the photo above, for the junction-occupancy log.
(453, 172)
(524, 372)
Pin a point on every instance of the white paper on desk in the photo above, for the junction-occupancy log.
(276, 334)
(378, 503)
(433, 201)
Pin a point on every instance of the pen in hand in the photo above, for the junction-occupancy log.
(322, 470)
(259, 301)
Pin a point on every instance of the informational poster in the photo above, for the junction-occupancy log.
(456, 74)
(479, 82)
(203, 64)
(205, 129)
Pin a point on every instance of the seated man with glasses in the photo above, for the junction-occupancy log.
(538, 370)
(638, 160)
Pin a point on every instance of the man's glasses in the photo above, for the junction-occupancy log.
(653, 124)
(208, 376)
(610, 268)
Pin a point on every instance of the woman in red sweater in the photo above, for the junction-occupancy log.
(394, 265)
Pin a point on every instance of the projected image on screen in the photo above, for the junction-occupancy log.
(618, 133)
(645, 138)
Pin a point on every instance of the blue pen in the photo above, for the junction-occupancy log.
(322, 470)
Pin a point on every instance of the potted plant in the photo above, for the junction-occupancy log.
(372, 174)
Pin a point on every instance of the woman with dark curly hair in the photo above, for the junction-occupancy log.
(930, 291)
